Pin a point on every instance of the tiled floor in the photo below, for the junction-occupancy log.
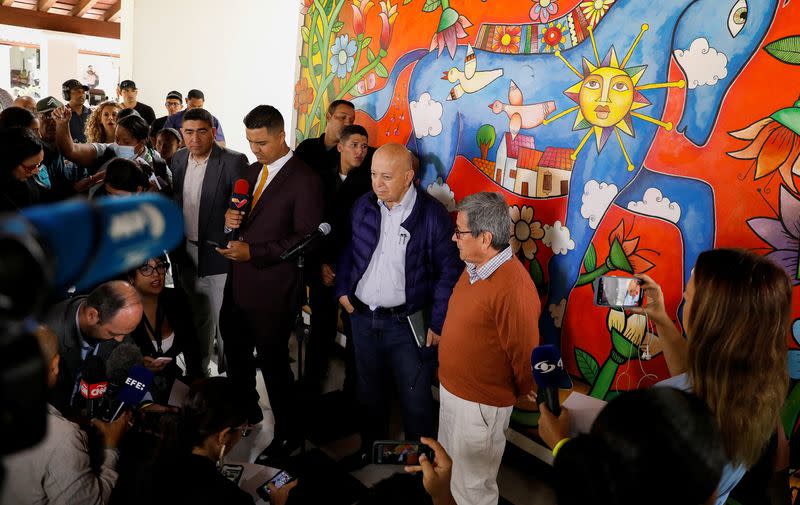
(520, 477)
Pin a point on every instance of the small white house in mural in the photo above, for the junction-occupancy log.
(506, 160)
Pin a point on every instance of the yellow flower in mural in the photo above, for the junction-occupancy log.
(526, 231)
(594, 10)
(506, 39)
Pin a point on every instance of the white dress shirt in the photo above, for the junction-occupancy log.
(384, 282)
(192, 192)
(274, 168)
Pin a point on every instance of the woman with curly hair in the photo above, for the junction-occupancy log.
(102, 123)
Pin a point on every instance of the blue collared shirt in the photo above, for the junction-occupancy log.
(384, 282)
(77, 125)
(176, 121)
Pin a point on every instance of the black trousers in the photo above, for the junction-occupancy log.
(245, 329)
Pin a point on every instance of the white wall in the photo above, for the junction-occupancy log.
(59, 63)
(240, 53)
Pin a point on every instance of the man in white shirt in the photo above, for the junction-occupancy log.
(204, 175)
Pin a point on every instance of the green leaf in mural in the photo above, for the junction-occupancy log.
(406, 2)
(536, 273)
(354, 91)
(365, 42)
(370, 54)
(318, 69)
(590, 260)
(305, 33)
(786, 49)
(587, 365)
(337, 26)
(381, 70)
(299, 135)
(613, 394)
(431, 5)
(314, 48)
(304, 61)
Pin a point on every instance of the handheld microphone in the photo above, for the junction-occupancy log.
(549, 374)
(136, 386)
(240, 199)
(300, 247)
(81, 243)
(93, 384)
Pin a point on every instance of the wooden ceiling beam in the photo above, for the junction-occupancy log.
(113, 11)
(83, 7)
(44, 5)
(58, 22)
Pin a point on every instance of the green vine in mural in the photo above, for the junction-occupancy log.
(333, 60)
(624, 255)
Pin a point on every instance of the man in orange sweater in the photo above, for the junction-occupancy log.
(485, 350)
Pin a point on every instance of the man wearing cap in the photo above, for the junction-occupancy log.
(75, 94)
(173, 104)
(128, 91)
(195, 99)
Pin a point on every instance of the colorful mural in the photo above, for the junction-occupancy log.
(627, 136)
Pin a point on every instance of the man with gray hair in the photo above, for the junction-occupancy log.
(484, 353)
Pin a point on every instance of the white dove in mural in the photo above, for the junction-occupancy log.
(470, 80)
(522, 116)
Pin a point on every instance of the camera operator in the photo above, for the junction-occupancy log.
(58, 469)
(91, 325)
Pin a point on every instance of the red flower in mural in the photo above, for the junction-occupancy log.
(388, 15)
(630, 246)
(303, 96)
(360, 9)
(506, 39)
(774, 144)
(306, 6)
(452, 26)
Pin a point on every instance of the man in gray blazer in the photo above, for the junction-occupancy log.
(204, 175)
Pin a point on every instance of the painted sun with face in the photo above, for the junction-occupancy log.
(608, 96)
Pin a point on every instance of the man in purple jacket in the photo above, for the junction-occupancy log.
(397, 273)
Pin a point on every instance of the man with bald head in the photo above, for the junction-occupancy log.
(26, 102)
(90, 325)
(395, 279)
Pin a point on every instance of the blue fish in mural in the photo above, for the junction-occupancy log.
(603, 75)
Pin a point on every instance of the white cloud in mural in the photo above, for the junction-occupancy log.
(442, 192)
(426, 114)
(557, 312)
(703, 65)
(597, 196)
(556, 237)
(656, 204)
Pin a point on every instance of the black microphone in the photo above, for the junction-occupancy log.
(300, 247)
(549, 374)
(93, 384)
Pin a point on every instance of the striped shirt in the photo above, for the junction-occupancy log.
(487, 269)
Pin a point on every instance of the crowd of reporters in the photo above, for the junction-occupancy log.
(215, 298)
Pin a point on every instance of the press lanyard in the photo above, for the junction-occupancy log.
(159, 324)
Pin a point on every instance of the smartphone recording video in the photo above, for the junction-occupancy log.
(280, 479)
(399, 452)
(613, 291)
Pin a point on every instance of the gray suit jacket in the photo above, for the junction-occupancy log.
(224, 168)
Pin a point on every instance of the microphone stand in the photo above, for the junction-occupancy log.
(300, 329)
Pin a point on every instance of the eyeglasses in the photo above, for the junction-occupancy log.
(173, 104)
(148, 270)
(458, 233)
(245, 430)
(31, 168)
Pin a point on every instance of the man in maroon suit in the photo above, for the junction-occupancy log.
(260, 301)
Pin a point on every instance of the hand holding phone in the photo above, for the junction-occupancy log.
(611, 291)
(163, 359)
(279, 480)
(399, 452)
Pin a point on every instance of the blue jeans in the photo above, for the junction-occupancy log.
(386, 354)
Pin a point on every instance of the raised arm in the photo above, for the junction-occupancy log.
(81, 154)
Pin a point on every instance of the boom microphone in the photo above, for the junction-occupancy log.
(300, 247)
(80, 243)
(549, 374)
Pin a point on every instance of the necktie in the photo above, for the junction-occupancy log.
(262, 181)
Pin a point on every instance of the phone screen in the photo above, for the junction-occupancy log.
(399, 452)
(280, 479)
(618, 292)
